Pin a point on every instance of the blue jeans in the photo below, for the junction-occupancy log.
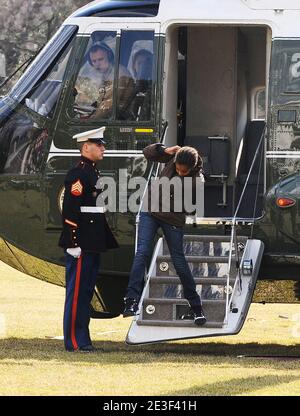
(148, 227)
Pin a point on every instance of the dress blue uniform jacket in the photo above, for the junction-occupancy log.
(86, 230)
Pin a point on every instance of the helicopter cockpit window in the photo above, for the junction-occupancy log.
(44, 96)
(284, 71)
(95, 82)
(135, 92)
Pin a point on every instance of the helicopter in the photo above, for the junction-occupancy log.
(225, 76)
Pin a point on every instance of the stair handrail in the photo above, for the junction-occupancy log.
(137, 218)
(233, 238)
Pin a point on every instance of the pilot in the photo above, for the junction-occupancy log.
(84, 236)
(100, 70)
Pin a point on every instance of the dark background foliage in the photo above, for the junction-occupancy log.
(26, 25)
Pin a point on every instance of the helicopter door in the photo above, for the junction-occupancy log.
(218, 69)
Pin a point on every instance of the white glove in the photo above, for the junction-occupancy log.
(75, 252)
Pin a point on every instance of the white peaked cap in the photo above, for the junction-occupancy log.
(95, 135)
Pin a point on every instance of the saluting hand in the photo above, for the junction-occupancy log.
(172, 150)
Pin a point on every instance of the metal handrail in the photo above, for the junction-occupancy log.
(137, 218)
(157, 251)
(233, 238)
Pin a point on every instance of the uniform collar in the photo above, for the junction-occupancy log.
(87, 161)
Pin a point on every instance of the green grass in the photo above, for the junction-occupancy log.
(33, 361)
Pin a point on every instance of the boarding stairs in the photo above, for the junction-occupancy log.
(164, 303)
(225, 279)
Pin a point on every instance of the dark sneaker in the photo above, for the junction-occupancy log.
(131, 307)
(199, 318)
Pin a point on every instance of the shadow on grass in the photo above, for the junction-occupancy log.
(236, 386)
(118, 352)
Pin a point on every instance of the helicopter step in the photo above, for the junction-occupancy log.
(225, 272)
(182, 323)
(174, 309)
(200, 265)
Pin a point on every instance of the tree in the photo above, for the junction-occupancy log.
(27, 25)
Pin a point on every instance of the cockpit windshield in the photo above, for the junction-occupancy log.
(95, 82)
(116, 85)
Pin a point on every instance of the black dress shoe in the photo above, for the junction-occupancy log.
(87, 348)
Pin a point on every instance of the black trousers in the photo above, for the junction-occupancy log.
(81, 275)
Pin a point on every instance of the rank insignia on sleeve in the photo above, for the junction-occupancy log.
(76, 188)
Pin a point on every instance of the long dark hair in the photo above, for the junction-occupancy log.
(191, 158)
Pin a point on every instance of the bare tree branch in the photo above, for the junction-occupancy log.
(25, 22)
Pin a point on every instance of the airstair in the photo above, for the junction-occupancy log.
(225, 277)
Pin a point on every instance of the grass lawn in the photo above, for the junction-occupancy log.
(33, 361)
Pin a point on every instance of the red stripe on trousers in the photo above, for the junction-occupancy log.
(75, 302)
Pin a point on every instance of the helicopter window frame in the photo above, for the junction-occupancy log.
(131, 40)
(113, 120)
(82, 58)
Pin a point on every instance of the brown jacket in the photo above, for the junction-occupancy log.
(156, 153)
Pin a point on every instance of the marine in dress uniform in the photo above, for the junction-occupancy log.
(84, 236)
